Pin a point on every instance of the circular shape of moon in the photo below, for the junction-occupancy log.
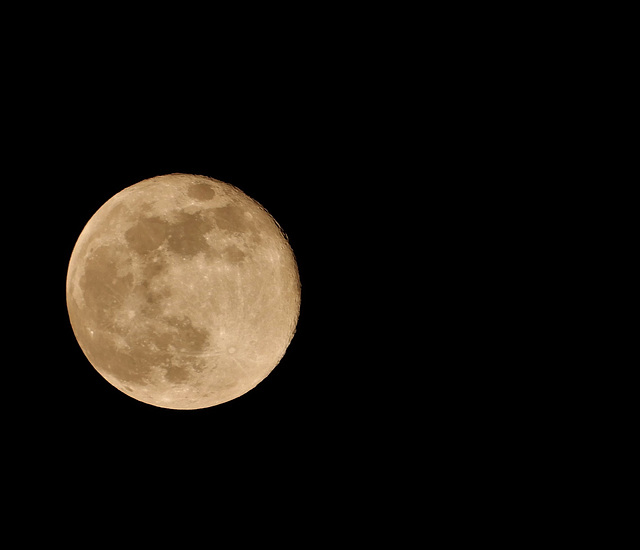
(183, 292)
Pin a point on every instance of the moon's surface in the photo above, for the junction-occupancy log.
(183, 292)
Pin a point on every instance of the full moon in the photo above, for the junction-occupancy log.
(183, 292)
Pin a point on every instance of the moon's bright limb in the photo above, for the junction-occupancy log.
(183, 292)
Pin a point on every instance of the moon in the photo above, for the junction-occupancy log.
(183, 292)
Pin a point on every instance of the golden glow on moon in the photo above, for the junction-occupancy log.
(183, 292)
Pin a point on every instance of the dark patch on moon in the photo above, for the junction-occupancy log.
(176, 374)
(231, 218)
(181, 335)
(101, 286)
(201, 191)
(153, 268)
(233, 254)
(152, 299)
(147, 234)
(187, 234)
